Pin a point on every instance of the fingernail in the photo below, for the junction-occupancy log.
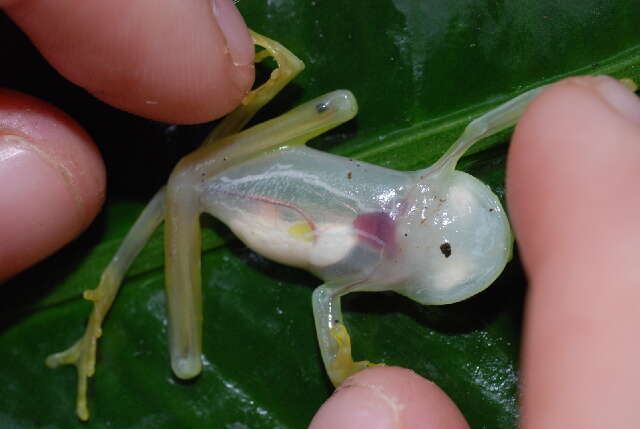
(358, 406)
(618, 96)
(235, 32)
(38, 209)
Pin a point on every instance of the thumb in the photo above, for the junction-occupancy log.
(572, 180)
(52, 181)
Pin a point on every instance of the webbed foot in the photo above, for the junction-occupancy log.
(343, 366)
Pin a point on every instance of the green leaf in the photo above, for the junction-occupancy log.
(421, 69)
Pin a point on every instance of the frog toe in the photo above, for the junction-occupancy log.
(343, 365)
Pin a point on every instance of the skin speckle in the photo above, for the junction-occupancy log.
(445, 248)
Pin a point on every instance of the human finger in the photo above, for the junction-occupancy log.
(173, 61)
(52, 177)
(573, 171)
(388, 398)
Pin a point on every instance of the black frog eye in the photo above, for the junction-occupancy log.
(322, 107)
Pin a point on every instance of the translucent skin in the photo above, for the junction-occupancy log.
(435, 235)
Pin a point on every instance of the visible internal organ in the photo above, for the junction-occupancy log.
(266, 232)
(304, 243)
(377, 229)
(300, 243)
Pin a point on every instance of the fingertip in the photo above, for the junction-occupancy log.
(53, 181)
(572, 191)
(180, 62)
(385, 398)
(571, 159)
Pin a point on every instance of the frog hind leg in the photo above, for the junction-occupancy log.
(289, 66)
(183, 208)
(333, 337)
(82, 354)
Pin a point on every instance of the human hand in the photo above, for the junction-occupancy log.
(52, 174)
(573, 168)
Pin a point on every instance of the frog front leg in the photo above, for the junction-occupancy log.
(333, 337)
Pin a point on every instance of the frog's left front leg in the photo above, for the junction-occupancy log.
(333, 337)
(182, 272)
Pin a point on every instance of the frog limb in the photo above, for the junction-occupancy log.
(184, 206)
(289, 66)
(333, 337)
(504, 116)
(83, 353)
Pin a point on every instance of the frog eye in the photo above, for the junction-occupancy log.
(321, 107)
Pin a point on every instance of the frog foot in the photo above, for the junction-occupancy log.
(82, 354)
(343, 365)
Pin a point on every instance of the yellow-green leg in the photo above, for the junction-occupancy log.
(83, 352)
(333, 337)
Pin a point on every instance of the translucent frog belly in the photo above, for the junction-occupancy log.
(301, 207)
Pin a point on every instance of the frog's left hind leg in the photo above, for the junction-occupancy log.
(83, 353)
(333, 337)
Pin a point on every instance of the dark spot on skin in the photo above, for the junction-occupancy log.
(445, 248)
(349, 175)
(321, 107)
(406, 235)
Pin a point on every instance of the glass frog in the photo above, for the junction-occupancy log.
(436, 235)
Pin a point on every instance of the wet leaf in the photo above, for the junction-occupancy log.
(420, 70)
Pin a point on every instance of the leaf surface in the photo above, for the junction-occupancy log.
(420, 70)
